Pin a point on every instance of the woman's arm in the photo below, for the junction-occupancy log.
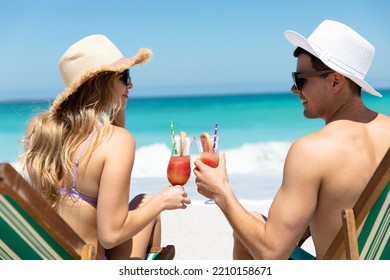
(115, 222)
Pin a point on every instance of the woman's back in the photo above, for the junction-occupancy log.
(81, 213)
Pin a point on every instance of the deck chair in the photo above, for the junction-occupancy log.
(365, 231)
(30, 229)
(161, 253)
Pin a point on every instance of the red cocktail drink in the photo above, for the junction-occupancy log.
(210, 158)
(179, 170)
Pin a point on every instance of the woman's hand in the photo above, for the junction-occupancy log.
(174, 197)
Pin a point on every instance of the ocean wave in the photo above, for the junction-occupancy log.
(249, 158)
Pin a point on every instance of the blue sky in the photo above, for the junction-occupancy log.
(203, 46)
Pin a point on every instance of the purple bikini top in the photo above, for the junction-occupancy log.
(73, 192)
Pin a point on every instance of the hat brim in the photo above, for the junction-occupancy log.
(143, 56)
(298, 40)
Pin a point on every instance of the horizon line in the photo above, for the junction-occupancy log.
(9, 99)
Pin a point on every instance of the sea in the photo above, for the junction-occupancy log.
(255, 132)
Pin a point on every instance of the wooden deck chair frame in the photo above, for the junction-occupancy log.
(31, 229)
(375, 194)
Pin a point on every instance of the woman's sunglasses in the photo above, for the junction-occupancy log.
(299, 78)
(125, 77)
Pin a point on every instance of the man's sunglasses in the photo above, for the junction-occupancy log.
(125, 77)
(299, 78)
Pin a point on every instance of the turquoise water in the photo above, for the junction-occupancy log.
(242, 119)
(257, 127)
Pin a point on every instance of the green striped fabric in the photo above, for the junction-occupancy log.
(152, 256)
(373, 240)
(21, 237)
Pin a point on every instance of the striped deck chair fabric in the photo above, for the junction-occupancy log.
(365, 232)
(373, 240)
(31, 230)
(161, 253)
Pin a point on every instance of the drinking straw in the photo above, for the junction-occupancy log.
(173, 137)
(215, 136)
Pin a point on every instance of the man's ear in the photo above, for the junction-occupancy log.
(338, 81)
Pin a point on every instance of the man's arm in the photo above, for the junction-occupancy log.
(290, 212)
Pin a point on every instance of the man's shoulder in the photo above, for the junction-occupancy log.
(320, 144)
(311, 141)
(384, 118)
(305, 147)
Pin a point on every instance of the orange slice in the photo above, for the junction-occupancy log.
(182, 141)
(205, 140)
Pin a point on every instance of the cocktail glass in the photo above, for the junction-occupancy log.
(179, 166)
(209, 158)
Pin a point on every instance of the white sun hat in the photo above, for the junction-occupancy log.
(89, 56)
(341, 48)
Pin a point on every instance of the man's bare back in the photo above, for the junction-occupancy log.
(348, 154)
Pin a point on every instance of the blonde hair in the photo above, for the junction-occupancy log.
(49, 159)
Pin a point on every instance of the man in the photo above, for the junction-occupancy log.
(325, 171)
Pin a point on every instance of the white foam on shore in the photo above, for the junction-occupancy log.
(249, 158)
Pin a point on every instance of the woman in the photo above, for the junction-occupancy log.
(81, 162)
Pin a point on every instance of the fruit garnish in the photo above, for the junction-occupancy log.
(182, 141)
(205, 141)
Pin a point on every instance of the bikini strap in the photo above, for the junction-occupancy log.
(76, 164)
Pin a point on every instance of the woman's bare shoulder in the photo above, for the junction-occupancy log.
(120, 137)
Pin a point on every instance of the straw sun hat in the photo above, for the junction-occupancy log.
(89, 56)
(341, 48)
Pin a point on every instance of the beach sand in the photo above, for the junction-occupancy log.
(201, 232)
